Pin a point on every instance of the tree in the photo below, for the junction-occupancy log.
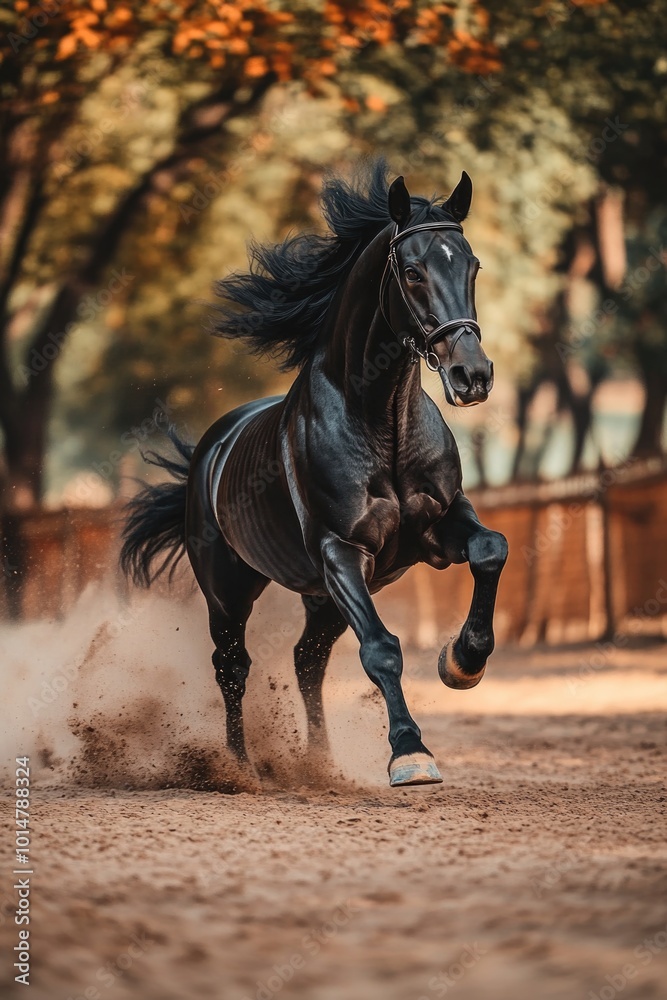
(216, 60)
(573, 117)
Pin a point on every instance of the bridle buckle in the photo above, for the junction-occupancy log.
(410, 344)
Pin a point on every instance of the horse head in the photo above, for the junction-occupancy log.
(430, 304)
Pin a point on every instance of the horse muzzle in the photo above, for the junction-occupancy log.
(465, 384)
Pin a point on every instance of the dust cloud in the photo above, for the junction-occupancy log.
(121, 694)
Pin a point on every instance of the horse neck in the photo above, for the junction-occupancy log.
(363, 356)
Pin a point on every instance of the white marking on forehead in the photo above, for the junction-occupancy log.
(447, 251)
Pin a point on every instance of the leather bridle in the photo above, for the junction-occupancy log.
(463, 325)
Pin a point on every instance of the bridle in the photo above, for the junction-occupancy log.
(464, 325)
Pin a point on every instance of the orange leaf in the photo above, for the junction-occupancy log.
(256, 66)
(238, 47)
(333, 14)
(89, 38)
(99, 5)
(50, 97)
(218, 28)
(66, 47)
(375, 103)
(120, 16)
(230, 13)
(327, 67)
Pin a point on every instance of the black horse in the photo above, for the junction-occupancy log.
(335, 489)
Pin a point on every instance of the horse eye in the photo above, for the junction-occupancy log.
(411, 274)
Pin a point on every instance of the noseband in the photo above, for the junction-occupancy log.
(464, 325)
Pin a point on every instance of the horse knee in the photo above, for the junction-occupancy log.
(487, 552)
(382, 658)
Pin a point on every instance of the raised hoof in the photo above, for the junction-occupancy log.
(414, 769)
(451, 672)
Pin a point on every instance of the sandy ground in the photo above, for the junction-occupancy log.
(537, 870)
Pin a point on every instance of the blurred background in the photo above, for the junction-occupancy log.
(143, 144)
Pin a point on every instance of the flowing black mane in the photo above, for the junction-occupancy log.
(279, 305)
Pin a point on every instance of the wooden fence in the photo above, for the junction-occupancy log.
(588, 558)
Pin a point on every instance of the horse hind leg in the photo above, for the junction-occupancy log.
(232, 665)
(230, 587)
(324, 625)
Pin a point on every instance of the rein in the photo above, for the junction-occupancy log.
(391, 269)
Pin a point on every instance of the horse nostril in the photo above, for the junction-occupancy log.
(458, 376)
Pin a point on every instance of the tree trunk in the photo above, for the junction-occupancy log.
(24, 413)
(649, 437)
(25, 442)
(524, 398)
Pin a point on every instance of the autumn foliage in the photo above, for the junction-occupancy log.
(252, 36)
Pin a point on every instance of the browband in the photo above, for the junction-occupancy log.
(398, 236)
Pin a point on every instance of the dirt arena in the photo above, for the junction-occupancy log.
(537, 870)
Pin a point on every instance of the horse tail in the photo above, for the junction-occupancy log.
(155, 521)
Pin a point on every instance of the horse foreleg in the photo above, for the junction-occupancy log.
(347, 570)
(462, 661)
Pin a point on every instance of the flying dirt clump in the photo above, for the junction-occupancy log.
(136, 750)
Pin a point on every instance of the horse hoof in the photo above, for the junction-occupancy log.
(414, 769)
(451, 672)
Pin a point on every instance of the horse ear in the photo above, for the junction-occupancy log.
(399, 202)
(458, 203)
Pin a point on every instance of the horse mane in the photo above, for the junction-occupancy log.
(279, 305)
